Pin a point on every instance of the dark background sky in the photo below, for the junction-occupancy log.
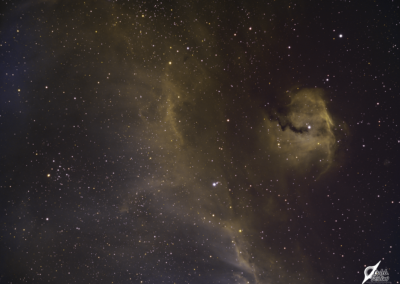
(199, 142)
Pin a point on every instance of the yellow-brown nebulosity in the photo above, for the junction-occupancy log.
(303, 133)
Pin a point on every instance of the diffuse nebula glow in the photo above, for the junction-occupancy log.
(181, 170)
(305, 136)
(228, 186)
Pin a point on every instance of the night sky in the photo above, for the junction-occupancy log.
(199, 141)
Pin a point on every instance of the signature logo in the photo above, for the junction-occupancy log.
(372, 273)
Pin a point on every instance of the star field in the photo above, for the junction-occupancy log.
(198, 142)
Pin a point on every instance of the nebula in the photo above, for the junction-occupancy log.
(170, 147)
